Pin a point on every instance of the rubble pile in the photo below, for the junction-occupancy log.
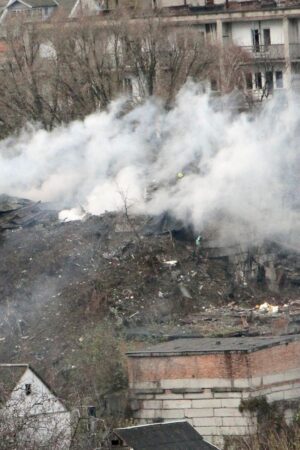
(19, 213)
(149, 278)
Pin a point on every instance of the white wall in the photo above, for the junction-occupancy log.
(241, 31)
(166, 3)
(43, 415)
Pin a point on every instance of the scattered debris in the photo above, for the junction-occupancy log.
(59, 279)
(266, 307)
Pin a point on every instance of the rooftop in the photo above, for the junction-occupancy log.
(178, 435)
(214, 345)
(10, 374)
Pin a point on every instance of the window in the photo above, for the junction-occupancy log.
(267, 37)
(255, 40)
(91, 425)
(210, 30)
(92, 411)
(213, 84)
(249, 82)
(128, 88)
(279, 79)
(258, 80)
(269, 81)
(27, 389)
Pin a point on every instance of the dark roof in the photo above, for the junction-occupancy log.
(20, 213)
(10, 374)
(36, 3)
(214, 345)
(163, 436)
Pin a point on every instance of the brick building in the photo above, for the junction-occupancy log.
(204, 381)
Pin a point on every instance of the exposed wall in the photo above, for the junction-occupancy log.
(168, 3)
(229, 365)
(242, 31)
(207, 389)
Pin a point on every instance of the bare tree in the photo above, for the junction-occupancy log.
(31, 425)
(54, 75)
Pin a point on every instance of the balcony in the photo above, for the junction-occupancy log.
(266, 52)
(295, 51)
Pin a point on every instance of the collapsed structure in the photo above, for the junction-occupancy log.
(210, 381)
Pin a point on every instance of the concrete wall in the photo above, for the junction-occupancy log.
(242, 31)
(207, 389)
(169, 3)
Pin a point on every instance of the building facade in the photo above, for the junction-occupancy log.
(207, 381)
(30, 411)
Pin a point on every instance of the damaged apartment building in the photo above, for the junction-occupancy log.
(268, 30)
(217, 384)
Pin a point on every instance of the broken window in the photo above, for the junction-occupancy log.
(255, 40)
(279, 79)
(267, 37)
(27, 389)
(258, 80)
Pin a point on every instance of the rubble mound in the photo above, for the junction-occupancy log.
(148, 278)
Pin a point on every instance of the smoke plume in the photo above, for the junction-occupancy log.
(204, 165)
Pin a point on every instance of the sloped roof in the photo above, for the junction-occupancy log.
(65, 7)
(10, 374)
(35, 3)
(3, 4)
(195, 346)
(163, 436)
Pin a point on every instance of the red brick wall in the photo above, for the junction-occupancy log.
(222, 365)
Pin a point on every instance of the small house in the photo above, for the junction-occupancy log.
(30, 411)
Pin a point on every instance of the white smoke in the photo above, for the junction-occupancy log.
(240, 172)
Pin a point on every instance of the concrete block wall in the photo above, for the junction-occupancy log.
(214, 412)
(207, 389)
